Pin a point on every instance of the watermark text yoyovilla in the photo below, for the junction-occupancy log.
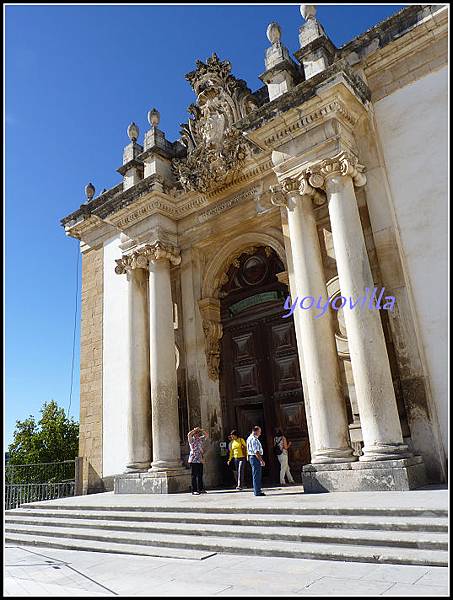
(375, 302)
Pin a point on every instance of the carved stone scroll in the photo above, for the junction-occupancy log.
(213, 331)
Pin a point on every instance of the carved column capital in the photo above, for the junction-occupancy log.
(128, 262)
(278, 195)
(343, 164)
(141, 257)
(291, 188)
(161, 251)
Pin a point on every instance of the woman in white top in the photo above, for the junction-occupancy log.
(281, 441)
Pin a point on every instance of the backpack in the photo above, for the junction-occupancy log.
(277, 448)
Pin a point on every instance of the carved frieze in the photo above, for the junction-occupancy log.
(215, 149)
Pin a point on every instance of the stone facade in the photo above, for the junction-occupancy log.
(90, 447)
(319, 170)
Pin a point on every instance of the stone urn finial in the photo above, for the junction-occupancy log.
(154, 117)
(132, 132)
(274, 33)
(308, 11)
(89, 191)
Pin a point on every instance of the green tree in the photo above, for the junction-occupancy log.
(54, 438)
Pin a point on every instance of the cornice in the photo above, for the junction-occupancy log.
(304, 91)
(409, 20)
(335, 92)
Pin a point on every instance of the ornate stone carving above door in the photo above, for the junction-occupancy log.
(215, 149)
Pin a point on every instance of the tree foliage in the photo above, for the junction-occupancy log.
(54, 438)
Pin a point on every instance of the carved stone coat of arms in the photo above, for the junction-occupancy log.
(215, 148)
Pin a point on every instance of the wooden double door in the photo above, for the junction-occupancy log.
(261, 384)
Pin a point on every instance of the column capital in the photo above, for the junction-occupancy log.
(343, 164)
(141, 257)
(128, 262)
(288, 190)
(160, 251)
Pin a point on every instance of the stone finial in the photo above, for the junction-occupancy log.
(89, 191)
(274, 33)
(132, 132)
(308, 11)
(281, 72)
(154, 117)
(316, 51)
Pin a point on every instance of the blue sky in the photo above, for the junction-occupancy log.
(76, 76)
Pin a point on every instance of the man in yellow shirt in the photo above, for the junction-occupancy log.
(238, 453)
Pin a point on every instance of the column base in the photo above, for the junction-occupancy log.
(135, 470)
(379, 452)
(385, 475)
(137, 467)
(165, 465)
(158, 482)
(333, 456)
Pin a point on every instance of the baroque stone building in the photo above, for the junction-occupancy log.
(328, 181)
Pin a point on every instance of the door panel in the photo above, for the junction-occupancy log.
(263, 387)
(260, 376)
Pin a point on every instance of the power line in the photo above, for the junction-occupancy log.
(75, 328)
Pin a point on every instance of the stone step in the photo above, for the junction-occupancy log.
(69, 537)
(255, 510)
(105, 546)
(331, 521)
(403, 539)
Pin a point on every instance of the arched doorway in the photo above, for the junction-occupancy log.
(260, 381)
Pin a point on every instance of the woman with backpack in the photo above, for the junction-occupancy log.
(281, 447)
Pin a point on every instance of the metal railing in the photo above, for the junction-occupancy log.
(40, 481)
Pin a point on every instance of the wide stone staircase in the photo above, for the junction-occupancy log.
(412, 536)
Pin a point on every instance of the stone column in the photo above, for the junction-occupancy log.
(164, 389)
(138, 412)
(330, 443)
(370, 364)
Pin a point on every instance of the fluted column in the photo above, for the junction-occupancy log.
(369, 359)
(330, 443)
(164, 389)
(138, 398)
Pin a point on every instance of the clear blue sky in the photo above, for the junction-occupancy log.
(76, 76)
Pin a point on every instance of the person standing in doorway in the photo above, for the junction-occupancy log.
(238, 453)
(196, 438)
(281, 447)
(255, 455)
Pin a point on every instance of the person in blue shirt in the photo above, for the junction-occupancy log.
(255, 457)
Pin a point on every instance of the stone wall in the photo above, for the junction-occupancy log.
(90, 445)
(416, 165)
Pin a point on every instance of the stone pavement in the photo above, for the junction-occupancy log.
(43, 572)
